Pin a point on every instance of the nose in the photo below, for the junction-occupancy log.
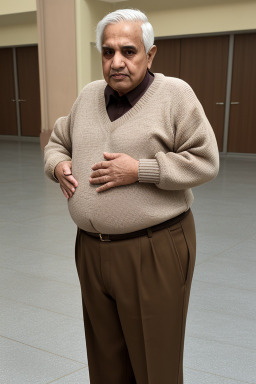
(117, 61)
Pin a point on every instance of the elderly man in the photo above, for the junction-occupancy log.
(126, 157)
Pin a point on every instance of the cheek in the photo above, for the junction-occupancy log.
(132, 68)
(137, 68)
(105, 68)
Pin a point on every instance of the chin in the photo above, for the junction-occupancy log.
(120, 90)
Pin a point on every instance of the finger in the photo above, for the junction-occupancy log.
(70, 189)
(64, 192)
(99, 173)
(71, 179)
(106, 186)
(111, 156)
(67, 167)
(100, 180)
(67, 193)
(101, 165)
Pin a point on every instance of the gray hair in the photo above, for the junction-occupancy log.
(131, 15)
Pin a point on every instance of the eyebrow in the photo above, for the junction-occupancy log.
(122, 47)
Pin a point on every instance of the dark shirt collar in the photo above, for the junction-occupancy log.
(133, 96)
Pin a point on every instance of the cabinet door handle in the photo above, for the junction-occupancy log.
(13, 100)
(220, 103)
(235, 102)
(22, 100)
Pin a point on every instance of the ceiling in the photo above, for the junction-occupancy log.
(154, 5)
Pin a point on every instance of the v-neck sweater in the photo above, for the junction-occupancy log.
(118, 105)
(166, 130)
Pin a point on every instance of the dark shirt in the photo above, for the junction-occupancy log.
(117, 105)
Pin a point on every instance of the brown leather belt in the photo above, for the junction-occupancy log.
(142, 232)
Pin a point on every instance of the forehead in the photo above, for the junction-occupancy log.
(123, 33)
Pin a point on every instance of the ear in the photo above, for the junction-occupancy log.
(151, 54)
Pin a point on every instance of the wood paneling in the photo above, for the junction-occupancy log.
(242, 123)
(204, 62)
(29, 90)
(8, 120)
(167, 59)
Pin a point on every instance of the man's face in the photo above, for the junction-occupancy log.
(124, 60)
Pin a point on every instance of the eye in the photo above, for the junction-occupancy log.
(108, 53)
(129, 52)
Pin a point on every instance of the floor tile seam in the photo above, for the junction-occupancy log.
(37, 211)
(224, 286)
(28, 221)
(22, 180)
(221, 342)
(68, 374)
(12, 181)
(212, 257)
(225, 250)
(39, 215)
(56, 211)
(41, 277)
(37, 252)
(43, 309)
(52, 253)
(227, 286)
(220, 285)
(226, 313)
(215, 374)
(45, 351)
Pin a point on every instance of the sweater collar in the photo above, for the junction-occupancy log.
(112, 96)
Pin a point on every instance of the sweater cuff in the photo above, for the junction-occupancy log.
(149, 171)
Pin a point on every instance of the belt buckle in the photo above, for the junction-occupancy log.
(102, 239)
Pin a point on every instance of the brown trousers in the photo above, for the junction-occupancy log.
(135, 296)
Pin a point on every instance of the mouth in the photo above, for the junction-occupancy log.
(118, 76)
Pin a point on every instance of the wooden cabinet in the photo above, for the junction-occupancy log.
(19, 92)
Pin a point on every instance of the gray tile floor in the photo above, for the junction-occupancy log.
(42, 335)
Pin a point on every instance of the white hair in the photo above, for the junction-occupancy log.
(131, 15)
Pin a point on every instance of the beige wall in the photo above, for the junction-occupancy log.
(17, 6)
(88, 13)
(206, 19)
(18, 29)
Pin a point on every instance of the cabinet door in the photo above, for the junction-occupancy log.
(29, 90)
(242, 121)
(203, 64)
(167, 59)
(8, 118)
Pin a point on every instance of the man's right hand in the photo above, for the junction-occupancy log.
(63, 172)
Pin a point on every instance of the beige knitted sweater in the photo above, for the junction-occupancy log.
(166, 130)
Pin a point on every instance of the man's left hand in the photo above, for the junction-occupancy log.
(118, 169)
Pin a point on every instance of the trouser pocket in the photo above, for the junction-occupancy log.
(180, 250)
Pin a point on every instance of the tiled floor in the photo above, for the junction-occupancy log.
(42, 335)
